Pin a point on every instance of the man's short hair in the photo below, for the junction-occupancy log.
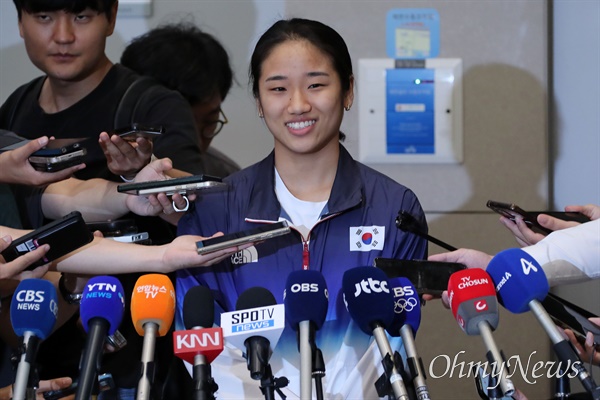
(71, 6)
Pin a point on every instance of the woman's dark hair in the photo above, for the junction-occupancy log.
(182, 58)
(72, 6)
(318, 34)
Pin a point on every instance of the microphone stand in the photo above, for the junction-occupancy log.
(28, 351)
(318, 371)
(204, 385)
(269, 384)
(562, 386)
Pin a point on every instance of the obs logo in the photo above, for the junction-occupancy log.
(305, 287)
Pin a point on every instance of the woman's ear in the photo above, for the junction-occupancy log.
(260, 110)
(349, 95)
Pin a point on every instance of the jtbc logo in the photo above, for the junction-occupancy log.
(369, 286)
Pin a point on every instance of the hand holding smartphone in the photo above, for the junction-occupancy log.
(135, 130)
(428, 277)
(63, 235)
(185, 185)
(59, 154)
(511, 211)
(259, 234)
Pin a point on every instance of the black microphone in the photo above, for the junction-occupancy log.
(407, 319)
(255, 327)
(32, 315)
(306, 300)
(101, 312)
(200, 343)
(371, 305)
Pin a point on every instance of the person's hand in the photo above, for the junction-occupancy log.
(181, 253)
(16, 168)
(523, 234)
(53, 384)
(591, 211)
(587, 350)
(160, 203)
(15, 269)
(125, 158)
(470, 258)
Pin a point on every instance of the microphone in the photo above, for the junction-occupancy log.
(101, 311)
(32, 314)
(255, 328)
(306, 299)
(200, 343)
(371, 305)
(474, 305)
(406, 322)
(521, 285)
(152, 312)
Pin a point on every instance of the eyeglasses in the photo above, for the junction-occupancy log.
(212, 128)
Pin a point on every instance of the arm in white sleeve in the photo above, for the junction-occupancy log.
(569, 255)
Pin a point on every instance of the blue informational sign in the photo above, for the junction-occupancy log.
(410, 117)
(412, 33)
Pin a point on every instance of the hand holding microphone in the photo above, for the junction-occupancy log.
(306, 300)
(472, 298)
(152, 311)
(371, 305)
(32, 314)
(521, 285)
(101, 312)
(200, 343)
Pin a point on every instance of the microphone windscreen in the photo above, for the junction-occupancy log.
(305, 298)
(255, 297)
(368, 298)
(198, 308)
(472, 298)
(153, 300)
(33, 308)
(407, 307)
(103, 297)
(519, 279)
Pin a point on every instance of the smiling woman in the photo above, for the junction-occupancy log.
(302, 80)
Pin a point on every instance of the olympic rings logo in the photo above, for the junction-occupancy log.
(403, 304)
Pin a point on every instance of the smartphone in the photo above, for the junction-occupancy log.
(511, 210)
(58, 147)
(135, 130)
(570, 316)
(57, 163)
(117, 227)
(63, 235)
(61, 393)
(139, 238)
(185, 185)
(261, 233)
(428, 277)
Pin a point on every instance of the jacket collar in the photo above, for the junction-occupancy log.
(347, 191)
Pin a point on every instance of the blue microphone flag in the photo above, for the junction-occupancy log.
(103, 297)
(305, 298)
(33, 308)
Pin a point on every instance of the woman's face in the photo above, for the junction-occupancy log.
(301, 99)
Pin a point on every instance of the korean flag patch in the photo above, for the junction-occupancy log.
(367, 238)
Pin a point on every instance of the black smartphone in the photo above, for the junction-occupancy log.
(138, 237)
(61, 393)
(59, 154)
(135, 130)
(117, 227)
(511, 210)
(63, 235)
(428, 277)
(259, 234)
(570, 316)
(185, 185)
